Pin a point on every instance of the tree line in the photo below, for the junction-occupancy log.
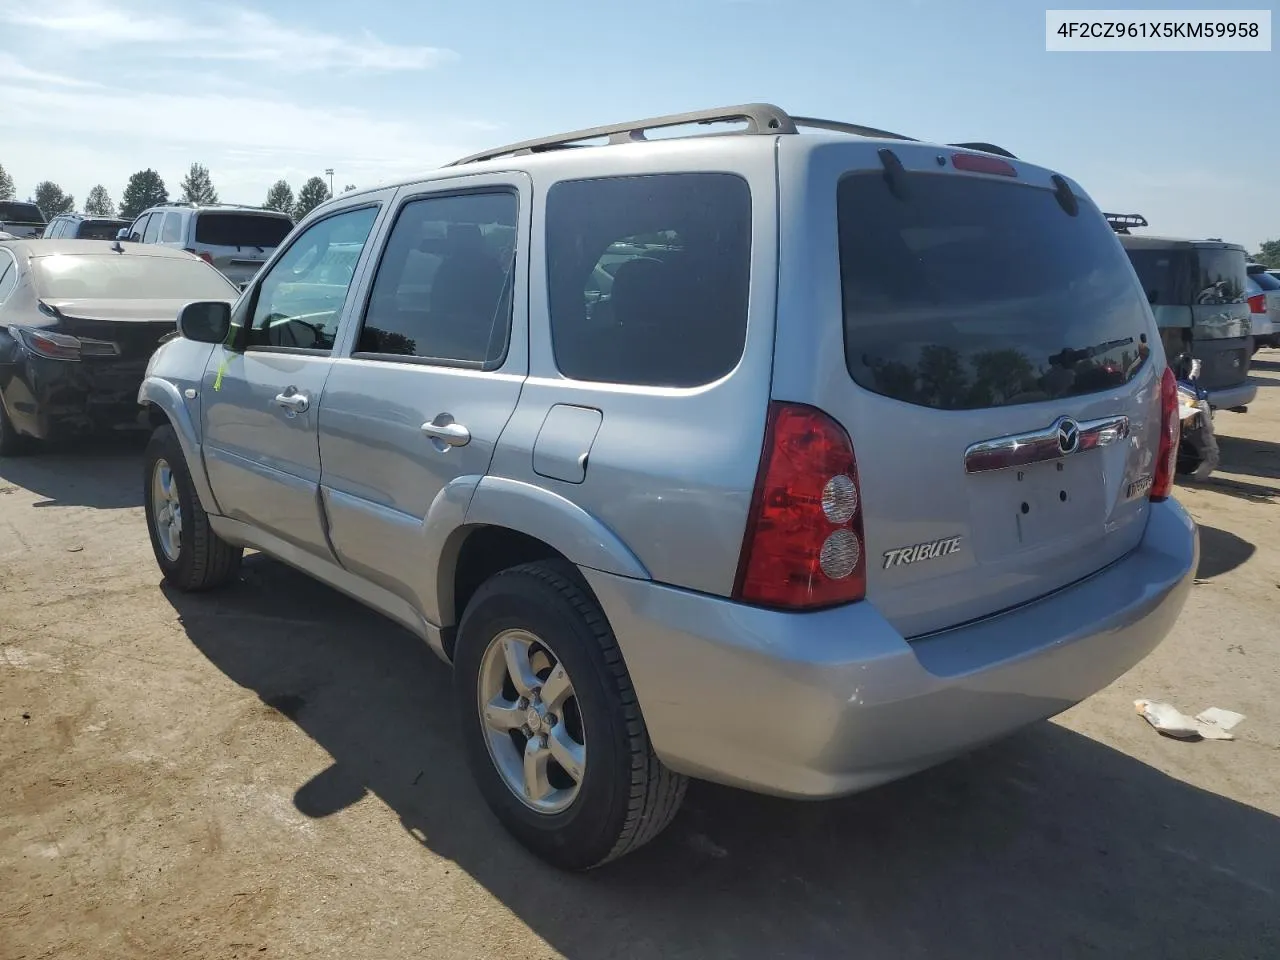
(146, 189)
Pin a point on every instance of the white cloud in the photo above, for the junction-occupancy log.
(204, 31)
(82, 136)
(13, 69)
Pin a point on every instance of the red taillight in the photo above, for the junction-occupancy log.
(203, 255)
(980, 163)
(804, 546)
(1258, 303)
(1170, 426)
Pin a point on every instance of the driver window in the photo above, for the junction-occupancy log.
(299, 301)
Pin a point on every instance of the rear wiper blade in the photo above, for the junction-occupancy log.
(1073, 355)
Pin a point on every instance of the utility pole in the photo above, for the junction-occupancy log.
(329, 173)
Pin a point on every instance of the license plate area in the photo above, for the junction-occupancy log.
(1029, 507)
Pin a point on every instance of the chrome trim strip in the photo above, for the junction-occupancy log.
(1060, 439)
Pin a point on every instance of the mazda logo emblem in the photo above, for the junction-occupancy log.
(1068, 435)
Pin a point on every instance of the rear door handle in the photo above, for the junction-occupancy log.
(453, 434)
(293, 401)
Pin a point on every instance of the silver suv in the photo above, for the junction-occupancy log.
(237, 240)
(797, 462)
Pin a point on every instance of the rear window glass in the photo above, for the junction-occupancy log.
(1265, 281)
(111, 277)
(1220, 276)
(100, 229)
(20, 212)
(241, 230)
(648, 277)
(977, 293)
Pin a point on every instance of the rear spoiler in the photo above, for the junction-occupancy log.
(1121, 222)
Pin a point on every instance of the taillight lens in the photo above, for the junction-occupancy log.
(1170, 426)
(1258, 303)
(804, 545)
(43, 343)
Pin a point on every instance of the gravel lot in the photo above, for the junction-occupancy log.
(274, 772)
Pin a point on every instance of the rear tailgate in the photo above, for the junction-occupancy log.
(994, 362)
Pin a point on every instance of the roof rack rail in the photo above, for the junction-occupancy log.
(1121, 222)
(761, 118)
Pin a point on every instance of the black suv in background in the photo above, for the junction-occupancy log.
(79, 226)
(20, 220)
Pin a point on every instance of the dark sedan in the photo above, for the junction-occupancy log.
(79, 319)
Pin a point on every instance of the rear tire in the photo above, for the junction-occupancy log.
(191, 556)
(623, 796)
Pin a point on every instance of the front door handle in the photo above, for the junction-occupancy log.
(293, 401)
(446, 431)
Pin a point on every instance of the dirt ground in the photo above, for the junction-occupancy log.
(274, 772)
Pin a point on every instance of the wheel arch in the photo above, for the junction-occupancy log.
(164, 406)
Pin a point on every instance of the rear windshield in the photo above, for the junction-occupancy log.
(976, 293)
(1220, 275)
(20, 213)
(122, 277)
(100, 229)
(241, 229)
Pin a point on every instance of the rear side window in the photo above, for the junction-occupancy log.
(1167, 276)
(976, 293)
(171, 232)
(8, 276)
(443, 288)
(648, 277)
(241, 230)
(1220, 276)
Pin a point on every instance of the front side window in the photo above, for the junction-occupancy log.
(139, 228)
(649, 276)
(299, 301)
(443, 288)
(152, 233)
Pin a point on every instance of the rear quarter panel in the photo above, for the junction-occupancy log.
(670, 471)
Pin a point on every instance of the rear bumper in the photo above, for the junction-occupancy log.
(829, 703)
(48, 399)
(1239, 395)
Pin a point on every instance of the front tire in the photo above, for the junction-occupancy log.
(191, 556)
(550, 721)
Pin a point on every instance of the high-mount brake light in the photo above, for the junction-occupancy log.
(980, 163)
(804, 547)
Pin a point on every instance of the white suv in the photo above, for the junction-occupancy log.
(235, 239)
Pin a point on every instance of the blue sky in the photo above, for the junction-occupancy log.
(92, 90)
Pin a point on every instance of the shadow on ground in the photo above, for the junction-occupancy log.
(1221, 552)
(102, 473)
(1049, 844)
(1255, 458)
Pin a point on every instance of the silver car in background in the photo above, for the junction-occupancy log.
(796, 462)
(237, 240)
(1262, 290)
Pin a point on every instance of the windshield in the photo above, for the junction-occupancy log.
(977, 293)
(122, 277)
(241, 229)
(20, 212)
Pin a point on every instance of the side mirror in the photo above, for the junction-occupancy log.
(122, 233)
(206, 321)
